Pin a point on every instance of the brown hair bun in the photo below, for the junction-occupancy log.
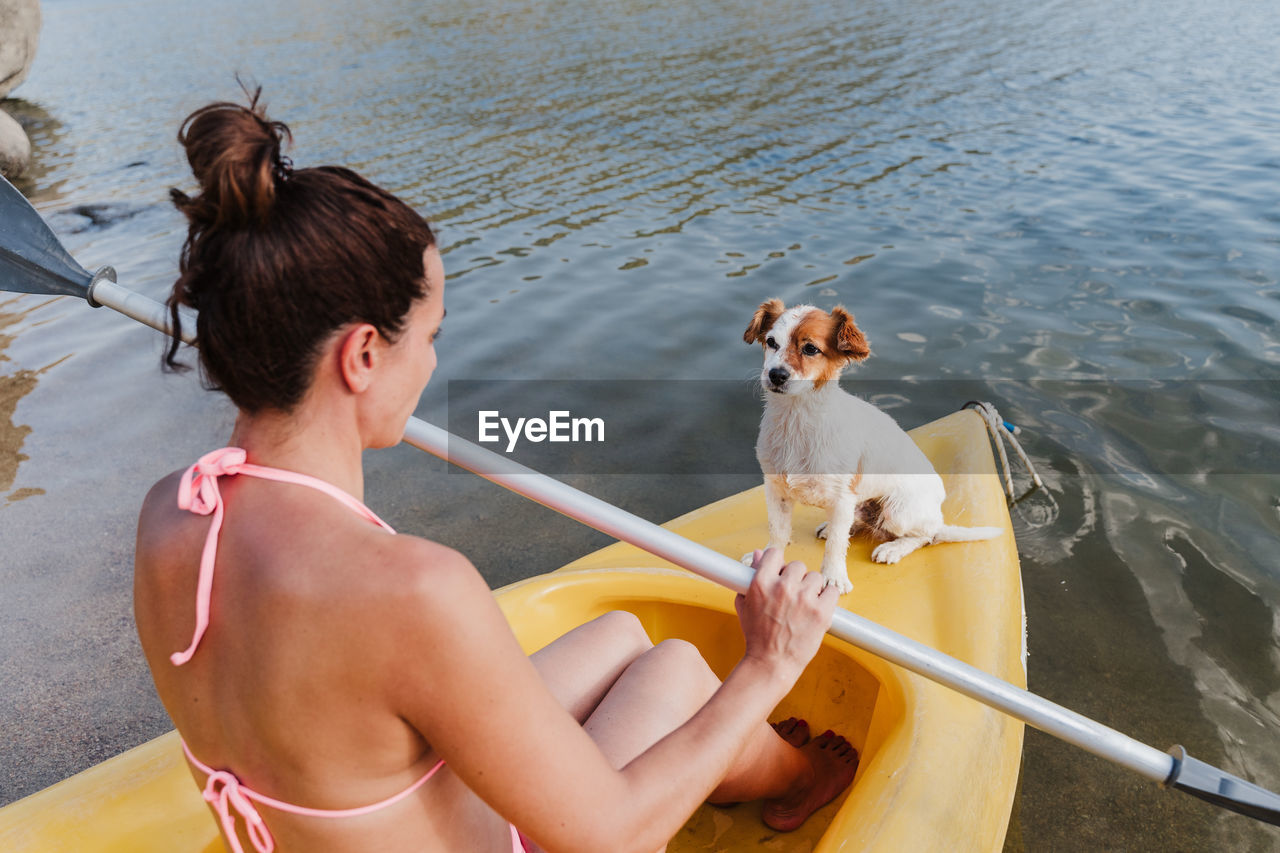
(234, 152)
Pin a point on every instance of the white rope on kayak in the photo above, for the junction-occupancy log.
(1003, 432)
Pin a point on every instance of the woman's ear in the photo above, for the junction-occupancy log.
(359, 354)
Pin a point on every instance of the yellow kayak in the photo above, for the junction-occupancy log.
(938, 771)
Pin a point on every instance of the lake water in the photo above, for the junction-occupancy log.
(1069, 209)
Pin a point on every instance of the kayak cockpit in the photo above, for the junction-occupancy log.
(835, 692)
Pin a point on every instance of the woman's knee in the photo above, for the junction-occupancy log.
(624, 630)
(684, 668)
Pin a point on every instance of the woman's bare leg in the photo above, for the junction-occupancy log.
(630, 694)
(664, 687)
(580, 667)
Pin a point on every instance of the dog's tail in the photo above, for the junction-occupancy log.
(955, 533)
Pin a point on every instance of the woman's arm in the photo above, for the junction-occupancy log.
(464, 682)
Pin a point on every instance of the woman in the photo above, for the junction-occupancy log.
(348, 688)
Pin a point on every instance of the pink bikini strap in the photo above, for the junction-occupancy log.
(224, 792)
(198, 492)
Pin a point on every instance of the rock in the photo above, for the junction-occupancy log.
(96, 216)
(15, 148)
(19, 34)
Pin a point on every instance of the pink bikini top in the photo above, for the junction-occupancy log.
(198, 492)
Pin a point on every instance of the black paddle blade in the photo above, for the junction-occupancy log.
(31, 258)
(1221, 788)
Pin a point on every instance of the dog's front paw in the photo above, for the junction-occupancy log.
(838, 579)
(892, 552)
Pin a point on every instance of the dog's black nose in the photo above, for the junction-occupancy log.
(778, 376)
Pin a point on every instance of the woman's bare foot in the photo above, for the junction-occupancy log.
(793, 730)
(834, 762)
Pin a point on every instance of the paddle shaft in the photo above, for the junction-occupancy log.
(909, 654)
(714, 566)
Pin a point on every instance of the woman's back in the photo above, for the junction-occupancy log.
(280, 691)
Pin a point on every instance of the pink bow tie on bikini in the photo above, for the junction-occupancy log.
(222, 791)
(198, 491)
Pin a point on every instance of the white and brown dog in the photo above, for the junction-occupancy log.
(822, 447)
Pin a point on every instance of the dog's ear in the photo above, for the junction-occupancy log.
(847, 338)
(766, 315)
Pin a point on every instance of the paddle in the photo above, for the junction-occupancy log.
(33, 261)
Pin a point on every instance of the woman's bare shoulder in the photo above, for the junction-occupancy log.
(421, 568)
(164, 493)
(428, 589)
(159, 511)
(423, 597)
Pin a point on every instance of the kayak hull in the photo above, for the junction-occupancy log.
(938, 771)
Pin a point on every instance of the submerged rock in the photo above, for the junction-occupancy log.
(95, 216)
(19, 34)
(15, 148)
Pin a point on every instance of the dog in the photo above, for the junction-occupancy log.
(820, 446)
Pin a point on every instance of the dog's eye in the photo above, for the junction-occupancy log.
(810, 349)
(770, 343)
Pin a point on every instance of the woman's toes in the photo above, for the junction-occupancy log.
(834, 762)
(793, 730)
